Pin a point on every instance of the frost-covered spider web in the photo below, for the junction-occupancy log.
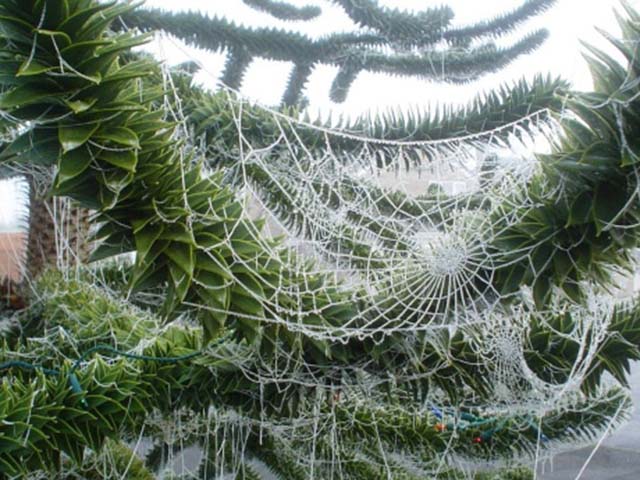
(409, 229)
(408, 225)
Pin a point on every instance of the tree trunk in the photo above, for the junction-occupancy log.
(58, 234)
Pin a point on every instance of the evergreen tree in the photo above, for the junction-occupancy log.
(391, 41)
(274, 375)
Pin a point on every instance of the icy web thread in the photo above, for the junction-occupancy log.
(421, 246)
(415, 245)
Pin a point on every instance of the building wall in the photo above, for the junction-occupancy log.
(12, 247)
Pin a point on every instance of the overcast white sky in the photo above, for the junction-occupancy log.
(569, 22)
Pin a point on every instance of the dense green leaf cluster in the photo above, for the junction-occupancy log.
(92, 115)
(212, 116)
(43, 418)
(88, 110)
(589, 223)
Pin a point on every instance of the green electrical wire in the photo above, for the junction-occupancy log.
(74, 382)
(27, 366)
(131, 356)
(471, 421)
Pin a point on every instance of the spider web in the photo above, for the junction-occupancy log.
(410, 227)
(414, 239)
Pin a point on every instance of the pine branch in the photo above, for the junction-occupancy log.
(113, 462)
(356, 52)
(278, 458)
(285, 11)
(237, 64)
(452, 66)
(527, 104)
(551, 351)
(423, 28)
(500, 25)
(296, 84)
(136, 387)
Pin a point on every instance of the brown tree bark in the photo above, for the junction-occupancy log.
(57, 237)
(58, 234)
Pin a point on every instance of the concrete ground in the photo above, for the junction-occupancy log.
(618, 458)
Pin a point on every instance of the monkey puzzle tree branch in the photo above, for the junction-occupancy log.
(284, 10)
(355, 52)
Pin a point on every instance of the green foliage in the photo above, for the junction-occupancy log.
(89, 110)
(121, 393)
(211, 117)
(118, 156)
(412, 38)
(432, 25)
(588, 226)
(516, 474)
(114, 461)
(285, 11)
(550, 358)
